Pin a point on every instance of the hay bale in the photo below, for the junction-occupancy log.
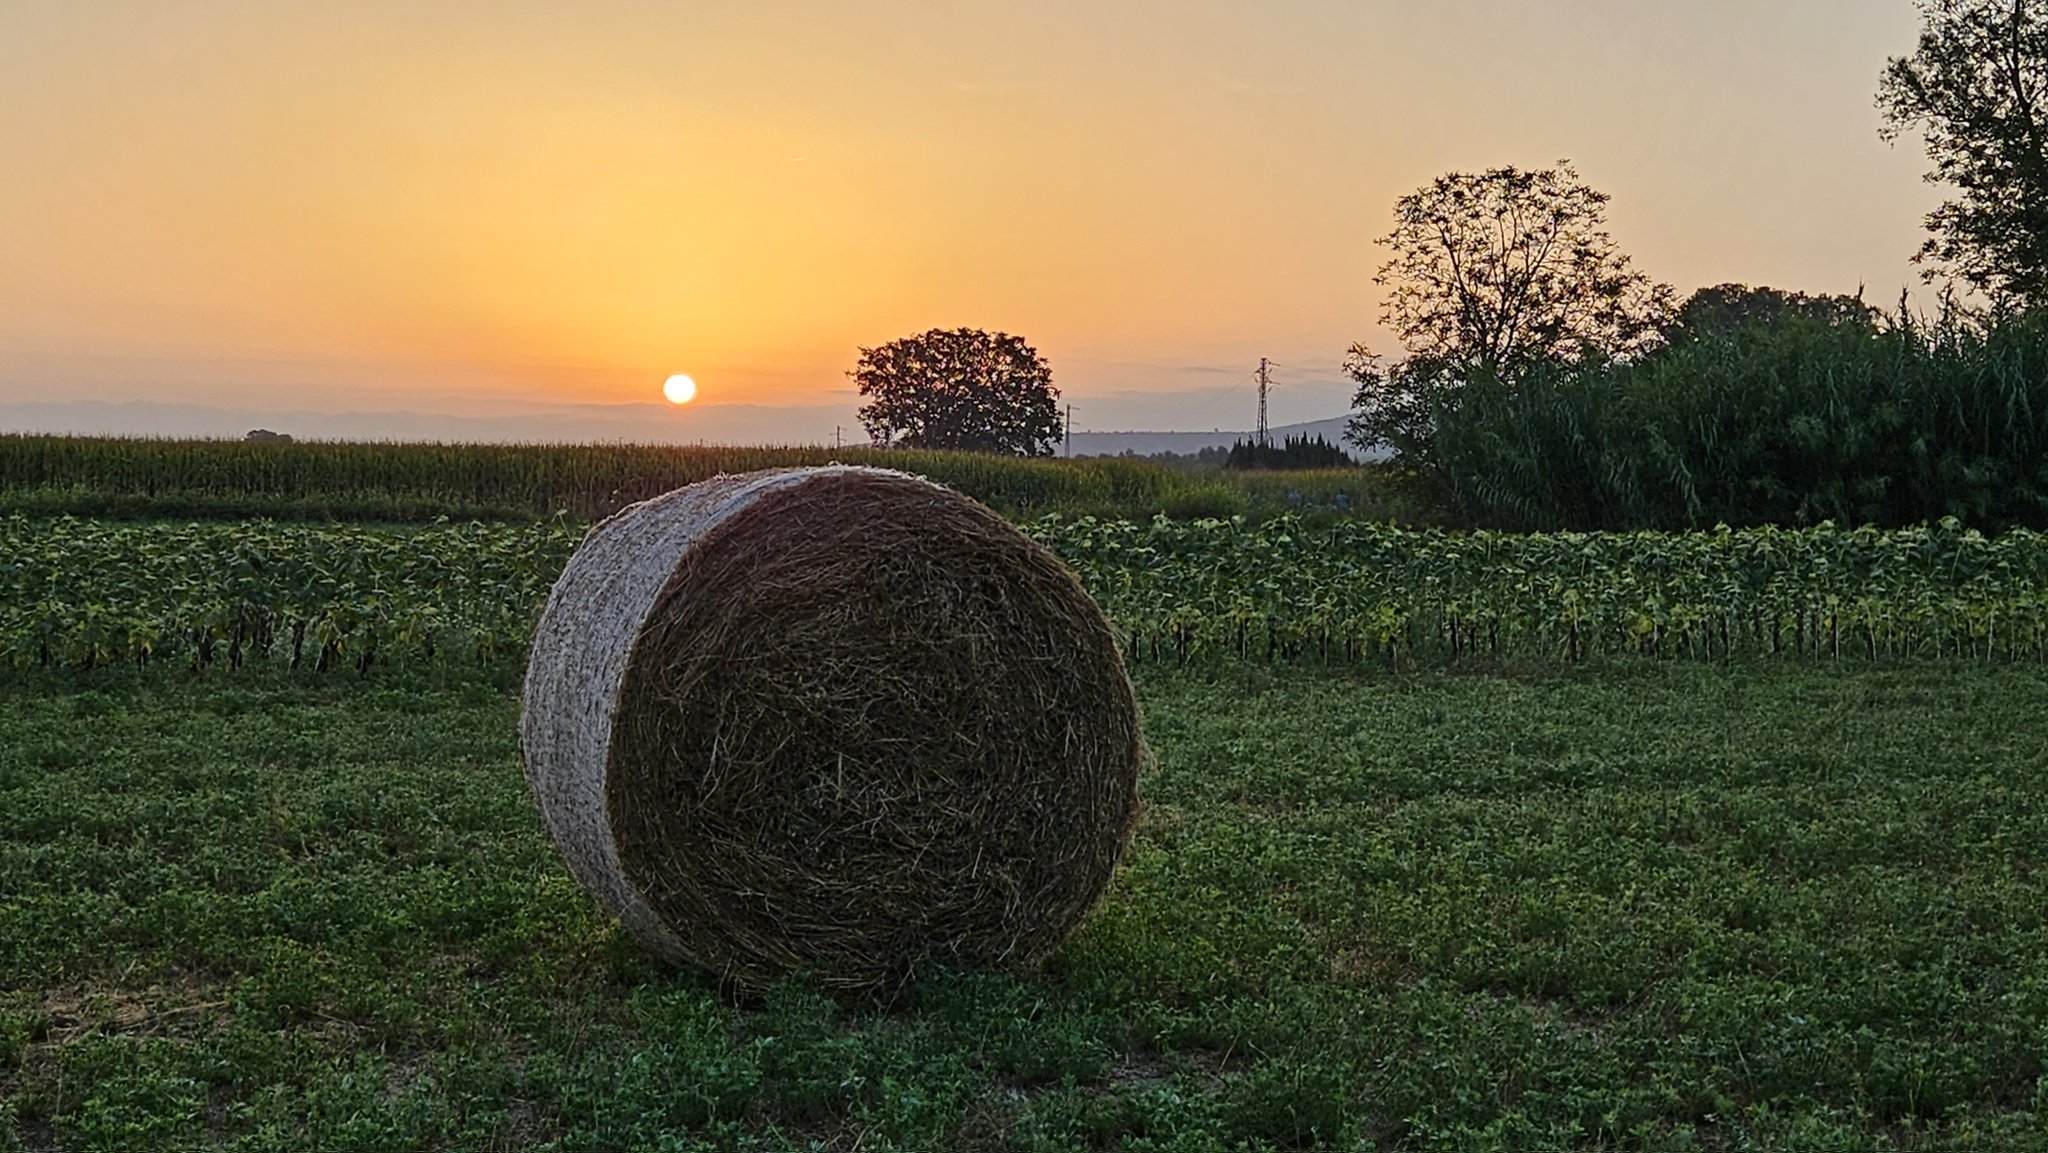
(838, 721)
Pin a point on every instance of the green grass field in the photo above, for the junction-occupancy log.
(1639, 906)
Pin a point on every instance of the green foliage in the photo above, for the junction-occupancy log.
(1351, 591)
(1661, 907)
(1377, 492)
(1973, 91)
(1493, 275)
(92, 593)
(1734, 310)
(1491, 271)
(1793, 422)
(89, 594)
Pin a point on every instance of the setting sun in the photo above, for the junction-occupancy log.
(679, 389)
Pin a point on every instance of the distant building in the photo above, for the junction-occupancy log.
(269, 437)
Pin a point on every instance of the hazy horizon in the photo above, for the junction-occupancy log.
(512, 213)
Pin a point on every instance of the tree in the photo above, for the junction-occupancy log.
(1975, 88)
(1493, 274)
(1734, 309)
(1497, 270)
(960, 388)
(1298, 451)
(1396, 407)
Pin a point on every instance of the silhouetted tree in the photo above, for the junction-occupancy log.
(1296, 452)
(1493, 274)
(1730, 309)
(960, 388)
(1976, 88)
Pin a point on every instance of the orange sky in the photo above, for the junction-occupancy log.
(496, 208)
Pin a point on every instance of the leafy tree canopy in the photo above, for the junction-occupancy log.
(1974, 89)
(1727, 309)
(960, 388)
(1493, 271)
(1493, 274)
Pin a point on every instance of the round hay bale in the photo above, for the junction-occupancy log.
(836, 721)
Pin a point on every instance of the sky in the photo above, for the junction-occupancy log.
(525, 216)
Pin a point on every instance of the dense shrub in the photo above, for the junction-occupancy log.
(1795, 421)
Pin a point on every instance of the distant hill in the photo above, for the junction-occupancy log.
(1189, 443)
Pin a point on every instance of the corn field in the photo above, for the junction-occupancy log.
(85, 594)
(418, 482)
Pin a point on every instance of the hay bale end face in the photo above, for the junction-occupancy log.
(836, 721)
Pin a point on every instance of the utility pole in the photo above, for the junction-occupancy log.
(1265, 379)
(1069, 429)
(835, 438)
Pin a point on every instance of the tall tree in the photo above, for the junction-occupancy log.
(1496, 270)
(960, 388)
(1492, 274)
(1976, 88)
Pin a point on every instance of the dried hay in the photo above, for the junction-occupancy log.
(835, 721)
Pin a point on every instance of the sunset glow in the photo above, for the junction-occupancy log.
(679, 389)
(444, 208)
